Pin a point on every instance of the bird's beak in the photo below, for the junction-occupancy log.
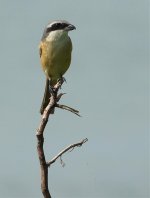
(70, 27)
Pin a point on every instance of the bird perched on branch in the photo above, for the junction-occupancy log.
(55, 54)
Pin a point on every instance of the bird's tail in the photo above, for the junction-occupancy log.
(46, 96)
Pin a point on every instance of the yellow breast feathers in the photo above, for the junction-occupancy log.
(55, 54)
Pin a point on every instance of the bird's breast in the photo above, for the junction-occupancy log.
(55, 56)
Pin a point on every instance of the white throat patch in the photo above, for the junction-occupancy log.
(56, 35)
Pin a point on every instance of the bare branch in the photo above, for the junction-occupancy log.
(70, 147)
(68, 109)
(48, 110)
(62, 162)
(40, 141)
(55, 97)
(43, 166)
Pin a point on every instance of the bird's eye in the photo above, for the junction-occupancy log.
(58, 25)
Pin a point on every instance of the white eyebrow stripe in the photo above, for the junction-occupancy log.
(50, 25)
(57, 21)
(54, 22)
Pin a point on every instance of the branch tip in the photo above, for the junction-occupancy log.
(68, 148)
(65, 107)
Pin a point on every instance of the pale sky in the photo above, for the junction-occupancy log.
(107, 82)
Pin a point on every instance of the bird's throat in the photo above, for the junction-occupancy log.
(57, 35)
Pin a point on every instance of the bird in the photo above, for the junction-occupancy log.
(55, 51)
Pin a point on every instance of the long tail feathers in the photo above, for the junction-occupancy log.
(46, 97)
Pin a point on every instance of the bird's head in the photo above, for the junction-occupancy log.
(57, 27)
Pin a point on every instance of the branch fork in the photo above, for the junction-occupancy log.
(53, 102)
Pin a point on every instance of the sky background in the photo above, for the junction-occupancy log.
(107, 82)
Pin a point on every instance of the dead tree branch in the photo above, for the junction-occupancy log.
(43, 167)
(68, 109)
(40, 138)
(70, 147)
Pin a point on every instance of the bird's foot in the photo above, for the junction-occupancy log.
(63, 80)
(59, 83)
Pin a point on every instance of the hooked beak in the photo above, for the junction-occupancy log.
(70, 27)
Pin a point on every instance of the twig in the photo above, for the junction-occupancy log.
(68, 109)
(72, 146)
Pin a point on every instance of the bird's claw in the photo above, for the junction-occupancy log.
(61, 80)
(64, 80)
